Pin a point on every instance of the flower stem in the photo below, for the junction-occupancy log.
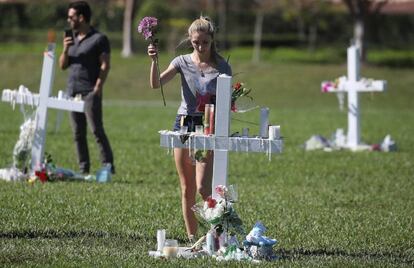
(159, 79)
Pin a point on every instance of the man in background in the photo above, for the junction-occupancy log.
(86, 52)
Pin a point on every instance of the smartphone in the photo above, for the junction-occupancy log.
(68, 33)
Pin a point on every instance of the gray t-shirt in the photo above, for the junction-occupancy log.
(197, 87)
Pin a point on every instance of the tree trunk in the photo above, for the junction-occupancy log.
(126, 31)
(312, 37)
(258, 36)
(222, 10)
(301, 29)
(359, 32)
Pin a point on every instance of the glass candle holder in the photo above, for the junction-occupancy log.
(183, 129)
(170, 249)
(199, 129)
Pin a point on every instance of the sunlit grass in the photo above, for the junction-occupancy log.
(326, 209)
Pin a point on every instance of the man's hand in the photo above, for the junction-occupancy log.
(97, 90)
(67, 42)
(64, 59)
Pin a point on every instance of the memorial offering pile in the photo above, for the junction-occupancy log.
(46, 171)
(338, 141)
(224, 226)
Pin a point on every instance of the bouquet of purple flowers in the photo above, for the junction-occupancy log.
(147, 27)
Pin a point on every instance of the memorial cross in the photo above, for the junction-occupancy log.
(353, 84)
(43, 101)
(220, 142)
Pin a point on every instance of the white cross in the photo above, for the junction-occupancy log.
(43, 101)
(353, 84)
(221, 142)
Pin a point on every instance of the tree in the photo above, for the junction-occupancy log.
(262, 6)
(127, 28)
(360, 11)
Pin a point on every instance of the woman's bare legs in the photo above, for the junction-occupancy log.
(186, 172)
(193, 179)
(204, 176)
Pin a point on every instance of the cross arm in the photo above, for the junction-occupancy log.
(24, 96)
(363, 85)
(171, 139)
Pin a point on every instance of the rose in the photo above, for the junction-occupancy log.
(239, 90)
(42, 175)
(211, 202)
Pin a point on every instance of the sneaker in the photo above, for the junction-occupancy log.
(112, 167)
(84, 172)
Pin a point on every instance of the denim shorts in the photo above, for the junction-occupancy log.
(189, 120)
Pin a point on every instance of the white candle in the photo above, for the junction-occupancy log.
(264, 122)
(160, 239)
(274, 132)
(245, 132)
(210, 243)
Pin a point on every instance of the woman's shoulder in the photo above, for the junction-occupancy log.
(181, 60)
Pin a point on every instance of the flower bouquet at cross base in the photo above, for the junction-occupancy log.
(221, 217)
(23, 147)
(148, 27)
(49, 172)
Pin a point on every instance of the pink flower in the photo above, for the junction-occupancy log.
(147, 27)
(221, 190)
(326, 86)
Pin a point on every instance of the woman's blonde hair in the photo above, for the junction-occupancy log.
(205, 25)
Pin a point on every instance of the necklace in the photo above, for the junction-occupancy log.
(202, 67)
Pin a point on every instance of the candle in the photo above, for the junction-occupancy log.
(264, 122)
(160, 239)
(245, 132)
(210, 243)
(274, 132)
(170, 248)
(212, 114)
(207, 119)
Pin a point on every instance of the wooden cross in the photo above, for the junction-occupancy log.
(353, 85)
(221, 143)
(43, 101)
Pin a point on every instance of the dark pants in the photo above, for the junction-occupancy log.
(93, 117)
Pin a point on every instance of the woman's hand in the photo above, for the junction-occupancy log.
(152, 51)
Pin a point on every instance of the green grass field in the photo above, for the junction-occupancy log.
(326, 209)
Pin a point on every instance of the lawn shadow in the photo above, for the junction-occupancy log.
(71, 234)
(300, 253)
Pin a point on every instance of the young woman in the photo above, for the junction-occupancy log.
(198, 71)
